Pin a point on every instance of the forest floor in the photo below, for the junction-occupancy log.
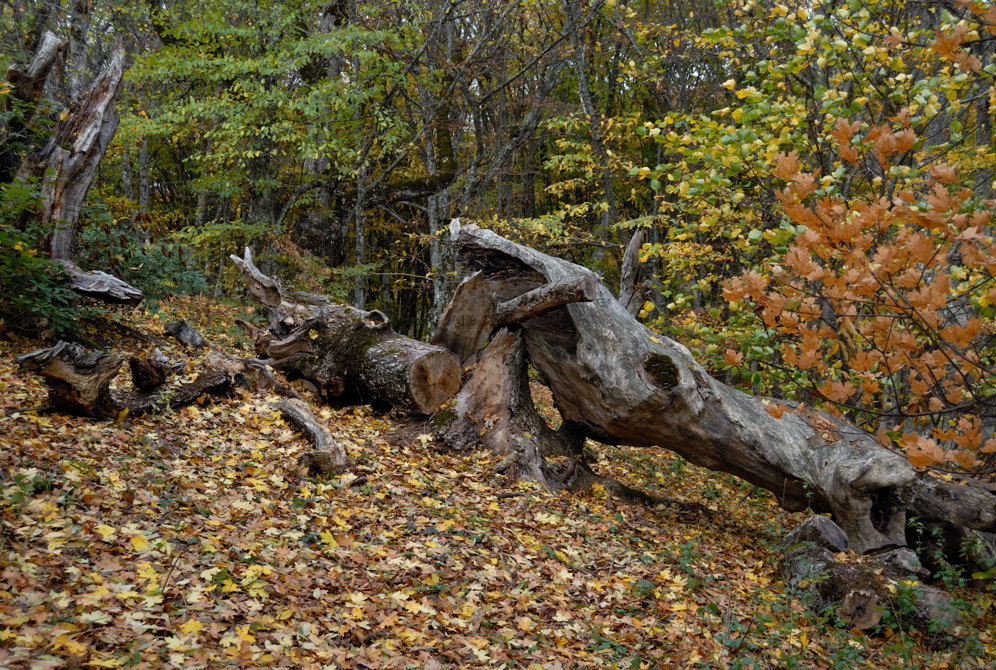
(192, 540)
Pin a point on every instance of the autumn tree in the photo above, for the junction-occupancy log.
(848, 176)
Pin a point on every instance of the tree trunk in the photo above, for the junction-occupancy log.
(68, 163)
(631, 291)
(495, 410)
(28, 84)
(79, 382)
(351, 355)
(620, 383)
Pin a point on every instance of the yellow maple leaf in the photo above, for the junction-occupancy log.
(105, 531)
(140, 543)
(193, 626)
(244, 634)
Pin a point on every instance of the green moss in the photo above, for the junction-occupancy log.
(444, 417)
(662, 370)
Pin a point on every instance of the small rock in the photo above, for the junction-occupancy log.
(934, 613)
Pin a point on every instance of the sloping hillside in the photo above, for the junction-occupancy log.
(193, 540)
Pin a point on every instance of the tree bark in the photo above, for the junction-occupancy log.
(620, 383)
(185, 334)
(329, 455)
(631, 291)
(474, 312)
(495, 410)
(351, 355)
(28, 85)
(152, 372)
(79, 381)
(68, 163)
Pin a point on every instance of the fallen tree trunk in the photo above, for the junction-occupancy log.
(152, 372)
(474, 312)
(351, 355)
(618, 382)
(79, 381)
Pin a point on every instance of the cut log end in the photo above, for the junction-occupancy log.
(435, 378)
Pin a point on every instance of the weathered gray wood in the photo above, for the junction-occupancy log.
(68, 164)
(468, 320)
(928, 498)
(29, 82)
(623, 384)
(631, 291)
(474, 312)
(820, 531)
(351, 355)
(546, 297)
(78, 381)
(101, 286)
(185, 334)
(329, 455)
(494, 410)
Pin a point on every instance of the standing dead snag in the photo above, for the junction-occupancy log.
(67, 163)
(348, 353)
(618, 382)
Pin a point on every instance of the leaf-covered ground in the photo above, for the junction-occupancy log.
(191, 540)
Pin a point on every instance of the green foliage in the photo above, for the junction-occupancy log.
(158, 268)
(33, 294)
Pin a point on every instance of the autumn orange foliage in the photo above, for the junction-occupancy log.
(878, 300)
